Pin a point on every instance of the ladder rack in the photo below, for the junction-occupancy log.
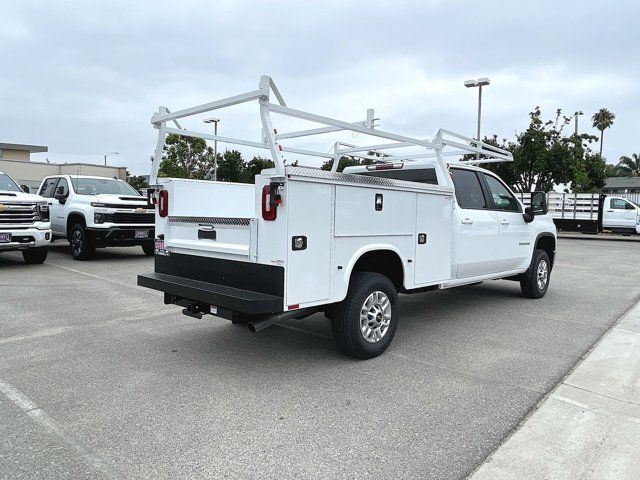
(443, 144)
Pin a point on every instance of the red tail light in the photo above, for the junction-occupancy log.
(163, 203)
(270, 202)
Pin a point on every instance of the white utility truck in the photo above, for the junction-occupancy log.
(592, 212)
(96, 212)
(24, 221)
(306, 240)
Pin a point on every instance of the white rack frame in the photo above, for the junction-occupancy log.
(437, 148)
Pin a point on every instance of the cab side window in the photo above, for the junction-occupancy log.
(468, 190)
(62, 188)
(503, 199)
(620, 204)
(48, 187)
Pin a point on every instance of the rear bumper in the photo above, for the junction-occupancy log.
(234, 299)
(244, 287)
(120, 236)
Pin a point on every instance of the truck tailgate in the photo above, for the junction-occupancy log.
(217, 219)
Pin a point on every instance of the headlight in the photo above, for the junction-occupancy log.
(99, 217)
(98, 204)
(43, 211)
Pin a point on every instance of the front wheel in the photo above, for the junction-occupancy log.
(35, 256)
(81, 246)
(536, 281)
(149, 249)
(364, 323)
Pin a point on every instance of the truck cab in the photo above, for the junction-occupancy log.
(24, 221)
(620, 215)
(94, 212)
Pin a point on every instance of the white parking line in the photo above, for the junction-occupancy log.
(98, 277)
(54, 428)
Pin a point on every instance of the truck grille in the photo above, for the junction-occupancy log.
(132, 218)
(18, 214)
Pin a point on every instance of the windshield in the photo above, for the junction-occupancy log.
(97, 186)
(7, 183)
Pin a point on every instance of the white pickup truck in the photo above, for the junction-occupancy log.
(24, 221)
(306, 240)
(94, 212)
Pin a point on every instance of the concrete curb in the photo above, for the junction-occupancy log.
(598, 236)
(588, 427)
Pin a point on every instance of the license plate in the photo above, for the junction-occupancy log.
(5, 237)
(142, 234)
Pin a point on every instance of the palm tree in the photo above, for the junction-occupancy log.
(630, 166)
(602, 120)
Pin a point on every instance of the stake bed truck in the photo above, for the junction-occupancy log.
(305, 240)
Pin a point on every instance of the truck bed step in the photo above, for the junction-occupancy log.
(229, 297)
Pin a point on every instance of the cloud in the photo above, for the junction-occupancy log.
(86, 79)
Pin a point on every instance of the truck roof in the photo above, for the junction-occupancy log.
(84, 176)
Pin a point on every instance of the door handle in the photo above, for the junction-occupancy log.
(504, 221)
(466, 221)
(609, 211)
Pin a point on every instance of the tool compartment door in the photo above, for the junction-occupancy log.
(309, 211)
(433, 238)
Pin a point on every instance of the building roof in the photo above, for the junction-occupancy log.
(20, 146)
(622, 182)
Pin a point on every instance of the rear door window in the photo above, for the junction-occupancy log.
(468, 190)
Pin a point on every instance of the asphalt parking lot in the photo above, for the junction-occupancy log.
(123, 387)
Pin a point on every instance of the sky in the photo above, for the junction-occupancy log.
(84, 78)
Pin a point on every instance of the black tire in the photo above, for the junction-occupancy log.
(35, 256)
(346, 321)
(149, 249)
(81, 246)
(536, 280)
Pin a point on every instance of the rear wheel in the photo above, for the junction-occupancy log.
(149, 249)
(81, 246)
(365, 322)
(536, 282)
(35, 256)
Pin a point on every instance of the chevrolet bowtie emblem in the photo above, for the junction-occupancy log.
(2, 208)
(139, 210)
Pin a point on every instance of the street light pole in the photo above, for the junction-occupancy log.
(481, 82)
(215, 146)
(577, 114)
(107, 154)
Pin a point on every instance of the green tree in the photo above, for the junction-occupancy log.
(254, 167)
(231, 167)
(544, 157)
(186, 157)
(602, 120)
(613, 171)
(629, 166)
(138, 182)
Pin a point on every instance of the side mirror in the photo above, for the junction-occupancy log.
(60, 195)
(24, 188)
(539, 203)
(528, 215)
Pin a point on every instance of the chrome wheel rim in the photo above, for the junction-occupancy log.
(375, 317)
(76, 242)
(542, 274)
